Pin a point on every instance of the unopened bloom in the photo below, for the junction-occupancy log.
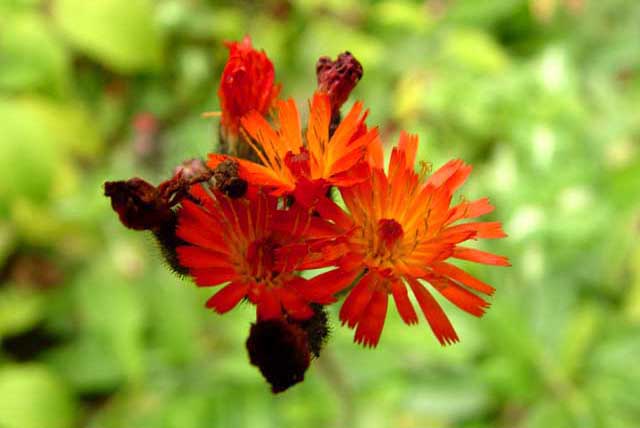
(243, 244)
(338, 160)
(338, 78)
(247, 85)
(403, 231)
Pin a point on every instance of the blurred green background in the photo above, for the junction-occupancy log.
(542, 96)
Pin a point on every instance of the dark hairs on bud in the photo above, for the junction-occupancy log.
(317, 329)
(167, 240)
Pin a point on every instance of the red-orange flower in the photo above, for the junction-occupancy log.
(247, 84)
(403, 231)
(323, 161)
(248, 246)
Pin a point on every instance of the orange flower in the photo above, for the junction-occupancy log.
(248, 246)
(324, 161)
(247, 84)
(402, 233)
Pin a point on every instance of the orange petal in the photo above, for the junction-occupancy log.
(478, 256)
(437, 319)
(409, 145)
(458, 275)
(470, 210)
(461, 297)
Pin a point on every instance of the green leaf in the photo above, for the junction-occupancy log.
(32, 397)
(121, 34)
(31, 57)
(34, 138)
(20, 309)
(28, 156)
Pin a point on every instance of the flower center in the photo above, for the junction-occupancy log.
(298, 163)
(389, 231)
(261, 258)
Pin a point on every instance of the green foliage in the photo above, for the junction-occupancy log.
(540, 96)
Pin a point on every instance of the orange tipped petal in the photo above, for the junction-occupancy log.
(409, 145)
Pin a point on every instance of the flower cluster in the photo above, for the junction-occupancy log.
(257, 218)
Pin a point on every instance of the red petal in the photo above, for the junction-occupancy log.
(227, 298)
(405, 308)
(268, 305)
(295, 306)
(213, 276)
(372, 320)
(437, 319)
(197, 257)
(328, 283)
(357, 301)
(478, 256)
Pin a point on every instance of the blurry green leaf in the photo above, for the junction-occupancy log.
(452, 400)
(88, 364)
(28, 156)
(402, 16)
(31, 57)
(70, 127)
(474, 50)
(20, 309)
(31, 397)
(549, 414)
(119, 33)
(110, 309)
(34, 139)
(7, 240)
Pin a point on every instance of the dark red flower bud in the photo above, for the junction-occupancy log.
(338, 78)
(138, 203)
(281, 351)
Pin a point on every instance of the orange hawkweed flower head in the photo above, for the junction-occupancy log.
(338, 160)
(402, 231)
(248, 246)
(247, 84)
